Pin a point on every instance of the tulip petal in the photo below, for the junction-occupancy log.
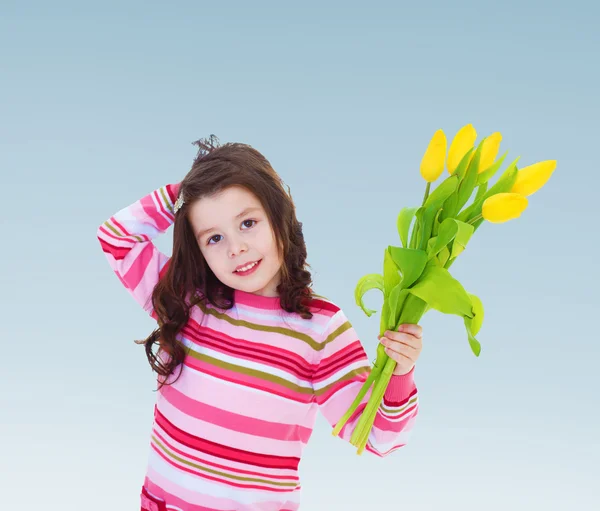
(530, 179)
(462, 142)
(486, 175)
(503, 207)
(432, 164)
(489, 151)
(504, 184)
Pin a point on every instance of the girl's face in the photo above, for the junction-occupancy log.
(233, 230)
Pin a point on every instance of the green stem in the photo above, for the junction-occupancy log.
(427, 188)
(360, 437)
(373, 377)
(474, 219)
(375, 402)
(412, 311)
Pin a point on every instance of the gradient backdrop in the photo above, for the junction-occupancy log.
(100, 103)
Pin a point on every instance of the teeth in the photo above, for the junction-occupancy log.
(246, 268)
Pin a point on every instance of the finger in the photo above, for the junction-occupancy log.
(401, 348)
(404, 338)
(416, 330)
(400, 358)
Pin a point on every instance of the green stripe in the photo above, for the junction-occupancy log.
(397, 411)
(348, 376)
(166, 198)
(263, 328)
(119, 233)
(222, 474)
(336, 333)
(250, 372)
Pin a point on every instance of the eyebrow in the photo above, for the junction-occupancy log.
(239, 215)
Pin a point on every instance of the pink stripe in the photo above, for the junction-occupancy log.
(187, 499)
(223, 468)
(271, 340)
(236, 461)
(244, 400)
(247, 380)
(183, 498)
(212, 477)
(113, 220)
(144, 267)
(266, 355)
(287, 452)
(235, 421)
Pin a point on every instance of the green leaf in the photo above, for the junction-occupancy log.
(410, 261)
(385, 314)
(462, 166)
(442, 192)
(446, 234)
(442, 292)
(366, 283)
(481, 189)
(450, 205)
(463, 235)
(391, 277)
(473, 342)
(443, 256)
(467, 185)
(474, 323)
(414, 237)
(437, 222)
(403, 222)
(396, 301)
(487, 174)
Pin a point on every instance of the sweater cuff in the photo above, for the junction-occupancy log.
(400, 387)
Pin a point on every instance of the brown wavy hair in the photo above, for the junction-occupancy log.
(188, 280)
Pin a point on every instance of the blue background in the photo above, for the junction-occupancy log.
(100, 103)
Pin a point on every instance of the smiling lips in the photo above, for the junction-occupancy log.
(246, 268)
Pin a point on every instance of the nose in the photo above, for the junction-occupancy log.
(237, 246)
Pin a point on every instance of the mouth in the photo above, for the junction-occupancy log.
(247, 269)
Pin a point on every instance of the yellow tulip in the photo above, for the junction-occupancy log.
(462, 142)
(432, 164)
(502, 207)
(489, 151)
(530, 179)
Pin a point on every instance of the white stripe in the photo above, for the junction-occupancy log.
(212, 488)
(244, 312)
(339, 374)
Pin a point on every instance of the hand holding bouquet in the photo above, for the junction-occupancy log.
(415, 276)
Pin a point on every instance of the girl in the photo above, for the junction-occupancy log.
(246, 352)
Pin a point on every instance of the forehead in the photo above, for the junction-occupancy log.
(222, 207)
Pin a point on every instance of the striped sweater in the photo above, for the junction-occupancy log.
(230, 432)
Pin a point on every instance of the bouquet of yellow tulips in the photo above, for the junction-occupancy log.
(415, 276)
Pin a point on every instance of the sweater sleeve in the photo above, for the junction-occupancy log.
(126, 239)
(342, 369)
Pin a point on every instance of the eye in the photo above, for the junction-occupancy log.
(245, 222)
